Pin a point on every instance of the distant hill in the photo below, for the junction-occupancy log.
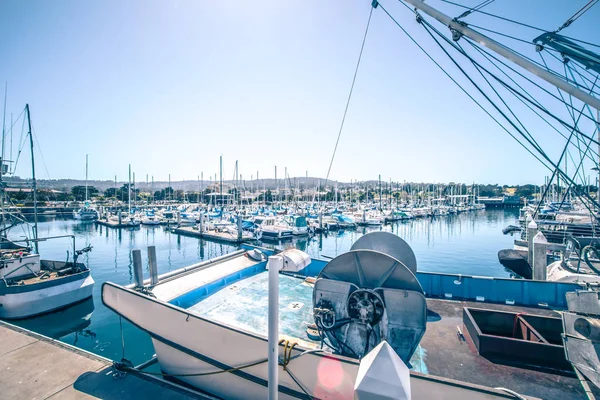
(187, 185)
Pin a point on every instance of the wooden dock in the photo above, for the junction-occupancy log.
(213, 235)
(36, 367)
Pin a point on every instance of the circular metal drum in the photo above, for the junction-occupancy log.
(371, 269)
(388, 243)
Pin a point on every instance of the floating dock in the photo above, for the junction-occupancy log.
(213, 235)
(36, 367)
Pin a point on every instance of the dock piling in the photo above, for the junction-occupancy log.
(138, 272)
(540, 261)
(153, 265)
(531, 232)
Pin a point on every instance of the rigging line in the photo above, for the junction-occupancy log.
(519, 23)
(490, 54)
(574, 67)
(485, 55)
(470, 10)
(17, 119)
(578, 14)
(571, 113)
(425, 25)
(464, 90)
(576, 122)
(562, 61)
(575, 61)
(21, 144)
(502, 82)
(528, 42)
(350, 94)
(40, 151)
(516, 92)
(568, 68)
(560, 93)
(537, 146)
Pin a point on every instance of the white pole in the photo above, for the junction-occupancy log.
(506, 53)
(275, 265)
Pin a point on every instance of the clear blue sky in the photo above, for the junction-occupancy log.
(168, 86)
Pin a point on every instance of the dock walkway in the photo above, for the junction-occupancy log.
(36, 367)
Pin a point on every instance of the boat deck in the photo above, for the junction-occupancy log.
(442, 352)
(36, 367)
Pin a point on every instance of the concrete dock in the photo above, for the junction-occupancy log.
(36, 367)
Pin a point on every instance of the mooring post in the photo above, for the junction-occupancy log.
(138, 272)
(153, 265)
(532, 230)
(540, 260)
(239, 227)
(274, 265)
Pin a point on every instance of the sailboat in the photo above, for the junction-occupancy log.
(86, 213)
(30, 285)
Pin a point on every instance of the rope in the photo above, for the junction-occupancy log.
(512, 392)
(578, 14)
(350, 94)
(287, 352)
(463, 89)
(125, 365)
(479, 7)
(543, 154)
(121, 367)
(487, 55)
(518, 23)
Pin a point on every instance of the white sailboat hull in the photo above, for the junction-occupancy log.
(28, 303)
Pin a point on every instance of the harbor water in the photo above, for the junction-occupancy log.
(466, 243)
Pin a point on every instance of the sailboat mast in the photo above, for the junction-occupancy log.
(34, 183)
(2, 158)
(86, 178)
(129, 191)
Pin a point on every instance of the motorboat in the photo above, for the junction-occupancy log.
(271, 229)
(298, 224)
(150, 219)
(30, 286)
(86, 214)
